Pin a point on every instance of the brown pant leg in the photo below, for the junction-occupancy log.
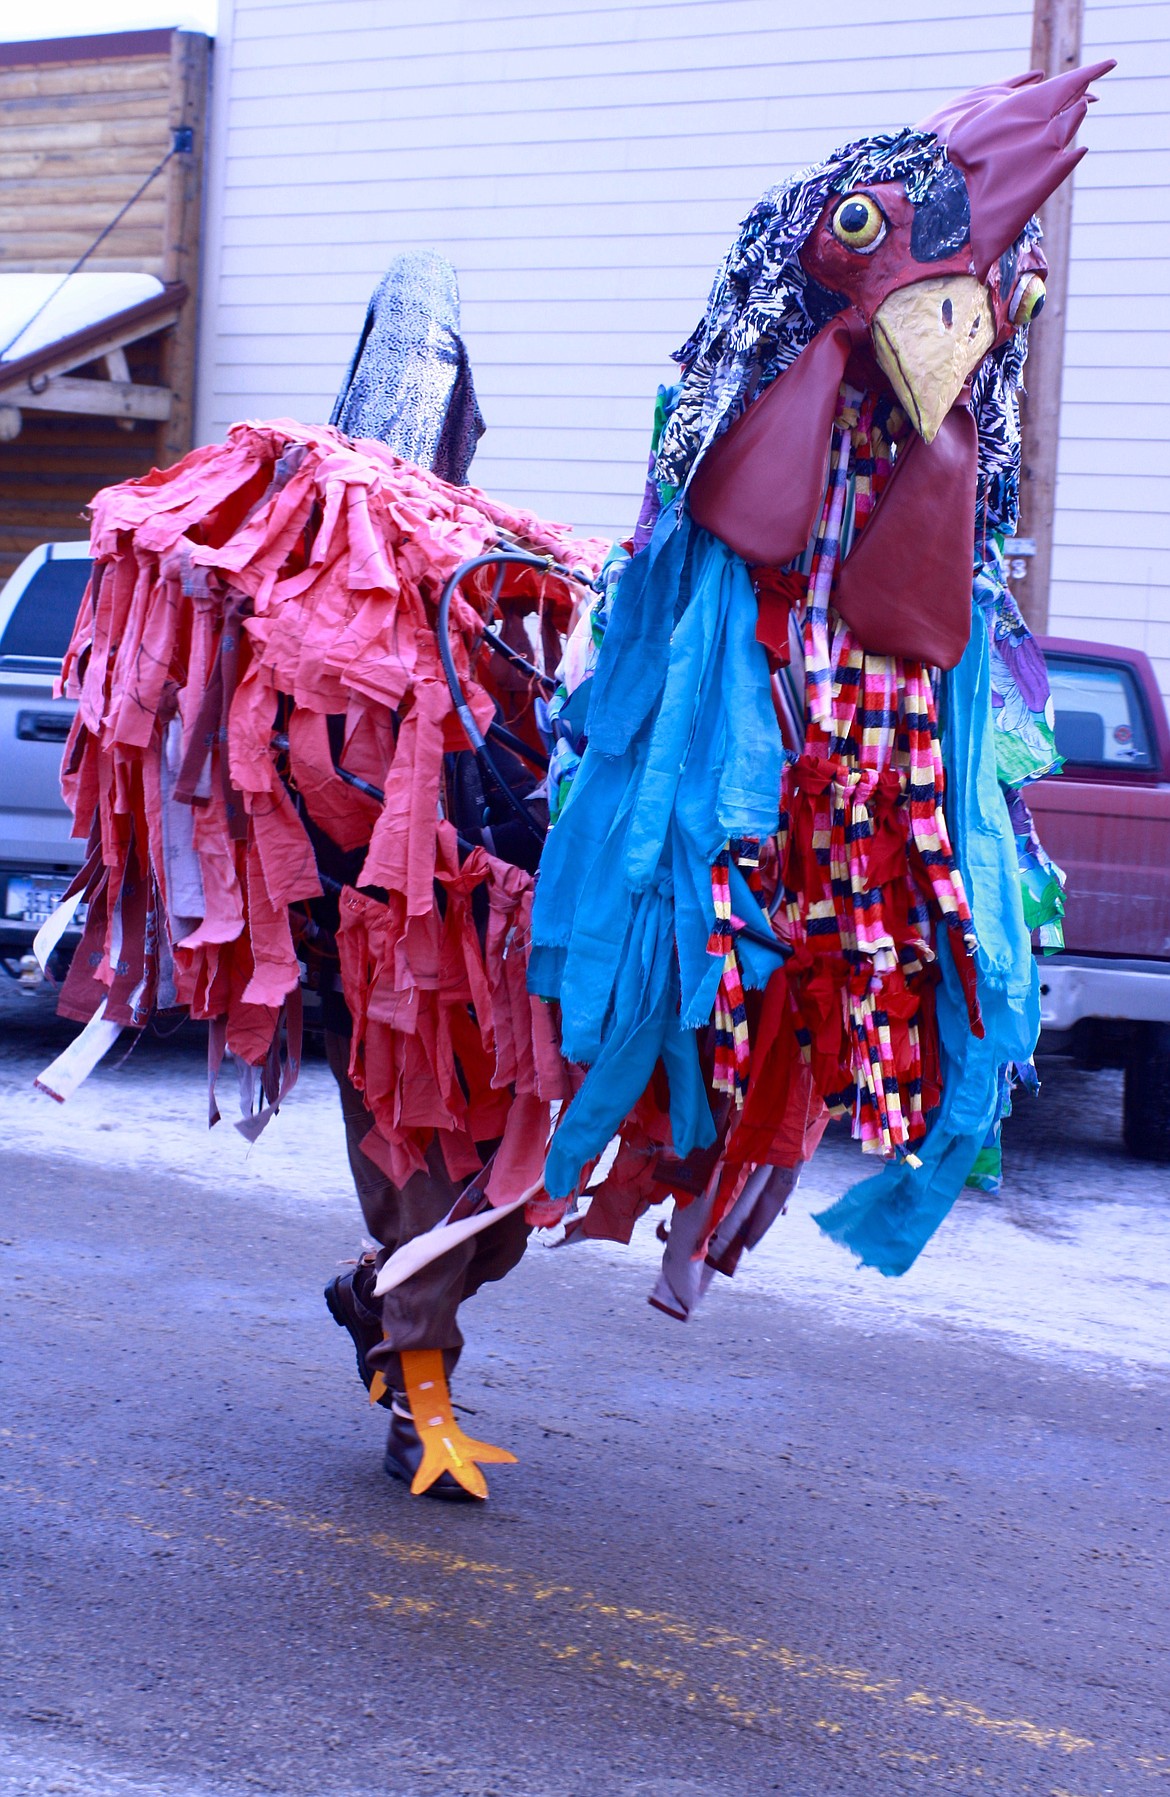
(376, 1195)
(497, 1251)
(420, 1313)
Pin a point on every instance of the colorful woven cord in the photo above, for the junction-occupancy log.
(865, 856)
(732, 1045)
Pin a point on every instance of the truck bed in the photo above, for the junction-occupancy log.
(1113, 842)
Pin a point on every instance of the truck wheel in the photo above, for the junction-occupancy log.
(1146, 1111)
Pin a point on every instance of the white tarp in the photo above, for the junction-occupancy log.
(83, 301)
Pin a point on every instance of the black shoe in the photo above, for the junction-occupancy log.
(403, 1457)
(349, 1298)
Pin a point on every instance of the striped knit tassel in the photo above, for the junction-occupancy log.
(870, 782)
(732, 1047)
(818, 671)
(746, 851)
(722, 942)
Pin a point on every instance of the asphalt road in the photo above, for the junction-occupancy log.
(771, 1551)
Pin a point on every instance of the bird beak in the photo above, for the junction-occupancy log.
(928, 338)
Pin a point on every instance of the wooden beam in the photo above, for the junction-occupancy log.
(38, 82)
(106, 44)
(97, 399)
(118, 369)
(53, 252)
(26, 182)
(190, 81)
(1057, 33)
(81, 135)
(93, 349)
(48, 216)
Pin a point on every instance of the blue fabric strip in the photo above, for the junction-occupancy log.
(684, 752)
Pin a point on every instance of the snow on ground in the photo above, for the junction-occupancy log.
(1071, 1261)
(1084, 1278)
(29, 1772)
(150, 1110)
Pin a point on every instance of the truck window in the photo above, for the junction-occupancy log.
(1100, 717)
(39, 629)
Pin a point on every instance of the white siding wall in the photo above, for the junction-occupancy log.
(1111, 564)
(585, 169)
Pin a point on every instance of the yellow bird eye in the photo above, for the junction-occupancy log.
(1027, 300)
(858, 222)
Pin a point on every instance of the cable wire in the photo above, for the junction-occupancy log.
(180, 145)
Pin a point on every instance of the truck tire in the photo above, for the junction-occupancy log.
(1146, 1110)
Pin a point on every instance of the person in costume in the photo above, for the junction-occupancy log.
(834, 926)
(410, 387)
(747, 919)
(268, 761)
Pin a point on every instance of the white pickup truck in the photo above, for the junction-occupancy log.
(38, 857)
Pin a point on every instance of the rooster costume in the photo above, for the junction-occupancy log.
(750, 915)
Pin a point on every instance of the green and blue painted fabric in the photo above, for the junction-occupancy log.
(683, 753)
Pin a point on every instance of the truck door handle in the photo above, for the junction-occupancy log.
(42, 726)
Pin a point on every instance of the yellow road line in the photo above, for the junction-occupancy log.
(561, 1601)
(664, 1626)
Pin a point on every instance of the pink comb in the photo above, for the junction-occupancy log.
(1011, 141)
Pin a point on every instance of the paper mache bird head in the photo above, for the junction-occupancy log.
(908, 262)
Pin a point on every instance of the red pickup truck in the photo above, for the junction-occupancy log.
(1105, 999)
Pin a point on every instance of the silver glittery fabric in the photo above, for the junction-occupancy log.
(409, 384)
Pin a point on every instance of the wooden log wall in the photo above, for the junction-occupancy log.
(83, 121)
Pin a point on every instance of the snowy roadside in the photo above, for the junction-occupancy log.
(151, 1111)
(1083, 1279)
(29, 1771)
(1072, 1261)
